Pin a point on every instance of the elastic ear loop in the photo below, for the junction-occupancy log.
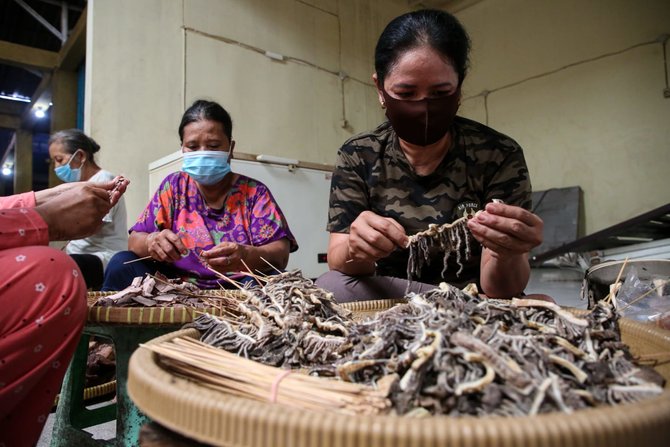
(274, 389)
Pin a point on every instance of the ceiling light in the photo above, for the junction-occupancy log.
(6, 171)
(14, 97)
(40, 113)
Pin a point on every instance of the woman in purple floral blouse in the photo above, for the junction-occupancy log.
(205, 216)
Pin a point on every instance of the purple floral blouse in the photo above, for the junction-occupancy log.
(249, 216)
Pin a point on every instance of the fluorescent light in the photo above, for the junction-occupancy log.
(14, 97)
(634, 238)
(277, 160)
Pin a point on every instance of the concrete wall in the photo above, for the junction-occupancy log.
(578, 84)
(148, 60)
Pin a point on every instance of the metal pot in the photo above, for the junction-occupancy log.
(597, 280)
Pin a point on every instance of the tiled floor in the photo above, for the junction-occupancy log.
(564, 285)
(102, 431)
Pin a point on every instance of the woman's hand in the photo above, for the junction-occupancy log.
(372, 237)
(507, 233)
(115, 189)
(165, 246)
(227, 257)
(506, 230)
(73, 212)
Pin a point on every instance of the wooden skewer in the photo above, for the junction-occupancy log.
(613, 295)
(641, 296)
(251, 273)
(224, 277)
(137, 260)
(268, 263)
(437, 229)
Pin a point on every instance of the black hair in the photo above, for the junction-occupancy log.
(74, 139)
(206, 110)
(439, 29)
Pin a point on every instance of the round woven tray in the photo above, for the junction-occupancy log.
(150, 315)
(219, 419)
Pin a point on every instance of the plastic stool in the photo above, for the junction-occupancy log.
(71, 414)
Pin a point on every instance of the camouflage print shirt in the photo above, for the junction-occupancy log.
(372, 173)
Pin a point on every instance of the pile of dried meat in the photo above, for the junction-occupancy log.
(450, 352)
(157, 290)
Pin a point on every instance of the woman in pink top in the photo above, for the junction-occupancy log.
(206, 216)
(42, 298)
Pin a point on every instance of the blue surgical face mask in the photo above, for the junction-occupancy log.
(206, 167)
(66, 173)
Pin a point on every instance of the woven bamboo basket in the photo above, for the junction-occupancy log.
(219, 419)
(150, 315)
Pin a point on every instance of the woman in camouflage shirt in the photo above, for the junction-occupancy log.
(427, 166)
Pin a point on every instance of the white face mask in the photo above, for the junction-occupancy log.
(66, 173)
(206, 167)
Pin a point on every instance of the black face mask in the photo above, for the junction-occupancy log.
(422, 122)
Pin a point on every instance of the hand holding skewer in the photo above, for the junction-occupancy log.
(506, 230)
(75, 210)
(373, 237)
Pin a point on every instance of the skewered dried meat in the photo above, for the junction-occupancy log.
(152, 290)
(452, 352)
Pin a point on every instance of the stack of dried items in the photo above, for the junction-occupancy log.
(443, 352)
(157, 290)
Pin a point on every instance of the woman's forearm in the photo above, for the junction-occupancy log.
(137, 243)
(275, 253)
(504, 277)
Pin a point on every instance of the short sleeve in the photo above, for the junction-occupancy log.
(348, 191)
(158, 215)
(268, 223)
(511, 181)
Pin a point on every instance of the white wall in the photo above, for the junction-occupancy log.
(579, 84)
(148, 60)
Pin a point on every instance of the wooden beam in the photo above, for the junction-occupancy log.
(23, 161)
(25, 56)
(73, 51)
(10, 121)
(8, 107)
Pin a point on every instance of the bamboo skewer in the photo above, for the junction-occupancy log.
(613, 294)
(270, 264)
(431, 231)
(219, 369)
(647, 293)
(137, 260)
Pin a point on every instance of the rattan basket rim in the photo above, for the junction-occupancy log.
(157, 315)
(219, 419)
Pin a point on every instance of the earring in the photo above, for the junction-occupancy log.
(383, 104)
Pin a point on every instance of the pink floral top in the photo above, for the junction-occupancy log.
(20, 224)
(249, 216)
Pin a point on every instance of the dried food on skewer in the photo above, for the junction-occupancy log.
(447, 238)
(117, 185)
(287, 321)
(450, 352)
(159, 291)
